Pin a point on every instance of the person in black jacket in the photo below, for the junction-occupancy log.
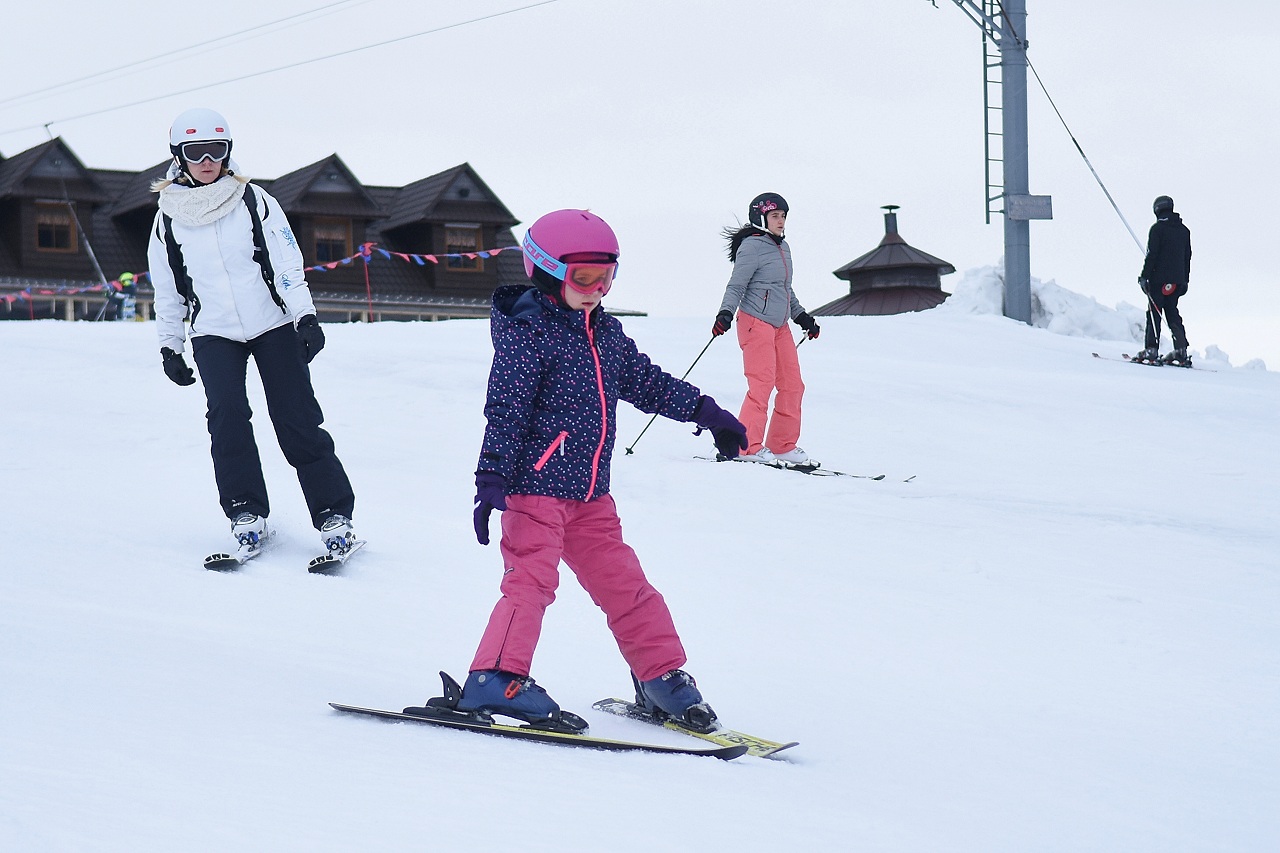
(1164, 279)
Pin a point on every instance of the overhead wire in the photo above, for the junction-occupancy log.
(286, 67)
(136, 65)
(1067, 128)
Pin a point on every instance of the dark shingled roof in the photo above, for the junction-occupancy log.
(18, 168)
(892, 252)
(419, 200)
(883, 300)
(893, 278)
(137, 194)
(291, 190)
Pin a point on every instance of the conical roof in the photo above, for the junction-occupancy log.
(893, 252)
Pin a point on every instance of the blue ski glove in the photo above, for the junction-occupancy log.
(491, 494)
(175, 367)
(311, 336)
(729, 433)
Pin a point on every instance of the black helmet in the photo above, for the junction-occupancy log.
(1162, 204)
(762, 205)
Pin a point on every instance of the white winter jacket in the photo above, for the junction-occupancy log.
(230, 298)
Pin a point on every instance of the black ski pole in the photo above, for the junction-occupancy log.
(631, 449)
(1154, 316)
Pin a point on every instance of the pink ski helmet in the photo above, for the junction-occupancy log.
(561, 233)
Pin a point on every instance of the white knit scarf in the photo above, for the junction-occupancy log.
(204, 204)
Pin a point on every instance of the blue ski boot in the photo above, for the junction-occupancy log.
(675, 694)
(492, 691)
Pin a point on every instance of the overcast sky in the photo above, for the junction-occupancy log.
(666, 117)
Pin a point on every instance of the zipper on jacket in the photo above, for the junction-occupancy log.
(604, 409)
(546, 454)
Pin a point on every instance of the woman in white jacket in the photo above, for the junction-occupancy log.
(224, 259)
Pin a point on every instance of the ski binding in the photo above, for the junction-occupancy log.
(332, 561)
(224, 562)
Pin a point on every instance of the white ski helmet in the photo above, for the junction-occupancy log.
(198, 125)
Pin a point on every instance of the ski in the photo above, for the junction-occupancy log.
(332, 562)
(223, 562)
(1125, 357)
(812, 468)
(226, 562)
(484, 724)
(758, 747)
(1162, 362)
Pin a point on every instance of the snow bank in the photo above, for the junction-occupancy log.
(1065, 312)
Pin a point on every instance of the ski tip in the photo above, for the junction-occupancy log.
(773, 753)
(221, 562)
(324, 565)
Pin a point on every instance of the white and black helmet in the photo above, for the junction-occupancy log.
(198, 134)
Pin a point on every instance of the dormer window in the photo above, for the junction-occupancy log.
(55, 227)
(459, 238)
(333, 239)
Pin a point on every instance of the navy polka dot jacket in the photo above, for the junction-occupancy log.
(553, 395)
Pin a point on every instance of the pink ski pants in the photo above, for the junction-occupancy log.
(769, 361)
(537, 533)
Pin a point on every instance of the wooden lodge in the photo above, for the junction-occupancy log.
(57, 217)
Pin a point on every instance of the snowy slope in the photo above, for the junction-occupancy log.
(1060, 635)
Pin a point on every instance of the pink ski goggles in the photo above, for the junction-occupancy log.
(584, 277)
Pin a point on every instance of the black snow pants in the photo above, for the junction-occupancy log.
(294, 412)
(1168, 306)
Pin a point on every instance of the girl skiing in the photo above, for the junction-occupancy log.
(560, 365)
(759, 292)
(222, 251)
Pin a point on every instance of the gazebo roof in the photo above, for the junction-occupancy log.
(893, 252)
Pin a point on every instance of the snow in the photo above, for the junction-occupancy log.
(1060, 635)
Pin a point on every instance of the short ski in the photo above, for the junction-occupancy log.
(1133, 360)
(813, 468)
(758, 747)
(484, 725)
(223, 562)
(226, 562)
(328, 564)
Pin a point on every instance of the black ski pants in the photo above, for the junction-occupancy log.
(294, 412)
(1168, 306)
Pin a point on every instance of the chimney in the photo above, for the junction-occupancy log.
(890, 225)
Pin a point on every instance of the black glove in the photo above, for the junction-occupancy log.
(729, 433)
(175, 367)
(491, 494)
(1142, 284)
(810, 326)
(311, 336)
(723, 321)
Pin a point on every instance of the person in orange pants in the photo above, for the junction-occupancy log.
(759, 292)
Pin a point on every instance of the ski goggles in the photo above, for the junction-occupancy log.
(585, 278)
(212, 149)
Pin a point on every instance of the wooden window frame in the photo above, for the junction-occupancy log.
(73, 233)
(463, 265)
(334, 222)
